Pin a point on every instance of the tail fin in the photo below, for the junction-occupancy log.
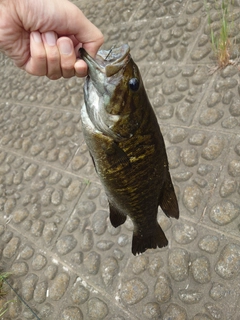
(168, 200)
(142, 242)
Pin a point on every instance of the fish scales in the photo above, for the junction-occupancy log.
(127, 147)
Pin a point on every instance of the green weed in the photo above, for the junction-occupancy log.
(220, 40)
(3, 277)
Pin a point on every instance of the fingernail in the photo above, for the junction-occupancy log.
(65, 47)
(36, 37)
(50, 38)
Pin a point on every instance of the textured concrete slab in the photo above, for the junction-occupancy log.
(66, 259)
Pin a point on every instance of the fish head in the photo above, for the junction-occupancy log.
(114, 92)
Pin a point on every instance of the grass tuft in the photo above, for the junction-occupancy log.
(220, 41)
(3, 277)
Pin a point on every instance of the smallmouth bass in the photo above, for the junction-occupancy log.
(125, 142)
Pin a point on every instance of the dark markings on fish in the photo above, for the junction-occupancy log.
(127, 147)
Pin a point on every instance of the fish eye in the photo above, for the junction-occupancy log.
(133, 84)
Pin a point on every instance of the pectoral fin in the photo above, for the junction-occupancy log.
(168, 200)
(116, 217)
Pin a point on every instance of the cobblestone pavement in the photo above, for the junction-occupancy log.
(67, 262)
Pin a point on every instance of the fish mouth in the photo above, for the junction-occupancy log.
(108, 62)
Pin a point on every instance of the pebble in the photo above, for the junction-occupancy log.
(192, 197)
(73, 190)
(51, 271)
(99, 222)
(210, 116)
(86, 208)
(49, 232)
(228, 187)
(183, 110)
(200, 53)
(189, 296)
(19, 269)
(140, 264)
(155, 264)
(97, 309)
(224, 212)
(40, 292)
(87, 240)
(104, 245)
(175, 312)
(26, 252)
(174, 158)
(133, 291)
(200, 269)
(11, 248)
(228, 264)
(189, 157)
(184, 233)
(214, 311)
(234, 168)
(79, 293)
(66, 244)
(92, 262)
(109, 270)
(28, 286)
(209, 244)
(178, 263)
(217, 291)
(39, 262)
(73, 313)
(214, 148)
(213, 99)
(177, 135)
(234, 108)
(59, 286)
(225, 84)
(152, 311)
(163, 288)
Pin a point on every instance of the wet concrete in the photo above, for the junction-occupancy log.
(67, 261)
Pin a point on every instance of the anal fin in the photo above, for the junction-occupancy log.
(168, 200)
(144, 241)
(116, 217)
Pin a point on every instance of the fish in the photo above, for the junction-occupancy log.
(126, 145)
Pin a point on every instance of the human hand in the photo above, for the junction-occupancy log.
(43, 37)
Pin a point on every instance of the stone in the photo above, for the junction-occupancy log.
(152, 311)
(192, 197)
(79, 293)
(178, 263)
(224, 212)
(73, 313)
(190, 296)
(140, 264)
(92, 262)
(234, 168)
(200, 269)
(99, 222)
(189, 157)
(175, 312)
(19, 269)
(109, 270)
(11, 248)
(163, 289)
(66, 244)
(59, 286)
(29, 285)
(210, 116)
(155, 264)
(40, 292)
(228, 264)
(184, 233)
(228, 186)
(133, 291)
(39, 262)
(213, 149)
(209, 244)
(97, 309)
(217, 291)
